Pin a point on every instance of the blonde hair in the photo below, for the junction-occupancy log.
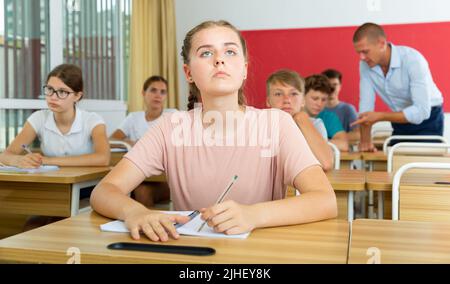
(194, 92)
(288, 77)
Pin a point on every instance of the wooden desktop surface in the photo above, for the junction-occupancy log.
(320, 242)
(400, 241)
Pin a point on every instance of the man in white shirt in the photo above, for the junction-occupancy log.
(400, 75)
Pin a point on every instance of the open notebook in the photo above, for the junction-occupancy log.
(189, 229)
(41, 169)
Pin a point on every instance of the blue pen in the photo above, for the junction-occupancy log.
(191, 216)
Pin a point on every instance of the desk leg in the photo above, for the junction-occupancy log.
(371, 205)
(380, 205)
(350, 205)
(75, 199)
(370, 213)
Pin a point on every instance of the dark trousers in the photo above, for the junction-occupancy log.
(434, 125)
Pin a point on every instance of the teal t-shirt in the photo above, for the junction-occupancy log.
(332, 123)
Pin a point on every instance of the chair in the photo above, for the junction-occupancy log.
(411, 137)
(113, 143)
(424, 204)
(351, 194)
(423, 152)
(337, 156)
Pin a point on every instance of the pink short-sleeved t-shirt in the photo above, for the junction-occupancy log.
(264, 148)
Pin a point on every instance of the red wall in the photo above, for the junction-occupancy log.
(312, 50)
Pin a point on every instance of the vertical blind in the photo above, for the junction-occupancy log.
(24, 59)
(96, 37)
(92, 41)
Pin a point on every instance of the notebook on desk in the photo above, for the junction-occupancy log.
(188, 229)
(41, 169)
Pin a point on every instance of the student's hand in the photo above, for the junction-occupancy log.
(367, 118)
(230, 217)
(155, 225)
(29, 161)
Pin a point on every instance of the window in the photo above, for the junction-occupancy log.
(23, 59)
(94, 35)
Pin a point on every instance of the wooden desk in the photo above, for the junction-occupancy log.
(381, 182)
(400, 241)
(350, 156)
(347, 158)
(376, 161)
(117, 156)
(346, 182)
(321, 242)
(53, 193)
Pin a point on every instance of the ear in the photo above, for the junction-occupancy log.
(382, 43)
(79, 95)
(268, 102)
(245, 71)
(187, 73)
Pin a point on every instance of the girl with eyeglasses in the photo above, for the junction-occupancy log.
(68, 135)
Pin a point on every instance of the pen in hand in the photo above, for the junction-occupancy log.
(25, 147)
(221, 197)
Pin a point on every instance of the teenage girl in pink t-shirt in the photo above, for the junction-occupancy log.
(202, 149)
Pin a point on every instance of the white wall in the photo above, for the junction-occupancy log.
(282, 14)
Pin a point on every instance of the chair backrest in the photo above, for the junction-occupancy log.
(381, 129)
(429, 152)
(337, 156)
(400, 160)
(421, 203)
(115, 143)
(411, 137)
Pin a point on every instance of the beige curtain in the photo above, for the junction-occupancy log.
(153, 49)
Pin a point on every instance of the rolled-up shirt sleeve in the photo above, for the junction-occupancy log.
(366, 89)
(421, 91)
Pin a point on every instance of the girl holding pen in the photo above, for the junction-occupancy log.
(200, 150)
(69, 136)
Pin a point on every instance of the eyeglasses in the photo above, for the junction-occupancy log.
(61, 94)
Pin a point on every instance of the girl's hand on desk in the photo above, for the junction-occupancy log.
(230, 217)
(155, 225)
(29, 161)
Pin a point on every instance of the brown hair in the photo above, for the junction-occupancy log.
(370, 30)
(152, 79)
(70, 74)
(288, 77)
(194, 92)
(333, 74)
(318, 82)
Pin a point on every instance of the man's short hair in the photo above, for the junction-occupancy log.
(318, 82)
(333, 74)
(370, 30)
(286, 77)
